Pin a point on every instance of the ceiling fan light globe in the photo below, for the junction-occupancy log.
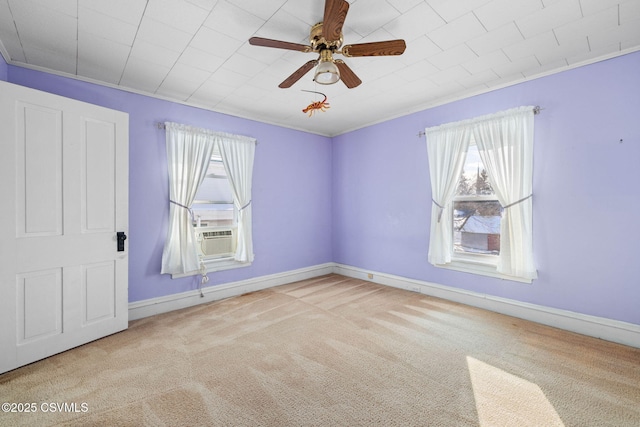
(327, 73)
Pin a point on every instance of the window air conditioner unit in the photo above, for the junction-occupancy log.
(217, 242)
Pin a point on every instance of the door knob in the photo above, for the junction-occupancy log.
(121, 237)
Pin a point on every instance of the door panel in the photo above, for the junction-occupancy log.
(99, 165)
(38, 154)
(39, 305)
(64, 177)
(99, 291)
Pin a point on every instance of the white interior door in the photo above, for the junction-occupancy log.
(63, 198)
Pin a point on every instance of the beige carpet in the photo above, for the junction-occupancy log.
(333, 351)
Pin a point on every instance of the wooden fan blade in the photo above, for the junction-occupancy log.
(386, 48)
(297, 75)
(259, 41)
(335, 12)
(347, 75)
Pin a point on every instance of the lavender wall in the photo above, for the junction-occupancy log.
(371, 188)
(291, 189)
(3, 69)
(586, 192)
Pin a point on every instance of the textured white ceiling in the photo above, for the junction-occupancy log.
(196, 51)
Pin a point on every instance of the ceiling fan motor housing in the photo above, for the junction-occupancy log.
(318, 42)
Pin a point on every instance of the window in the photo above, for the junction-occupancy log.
(210, 176)
(213, 204)
(481, 173)
(476, 213)
(214, 213)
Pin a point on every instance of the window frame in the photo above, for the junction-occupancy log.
(475, 263)
(212, 262)
(217, 158)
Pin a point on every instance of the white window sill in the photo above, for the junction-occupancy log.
(483, 265)
(215, 264)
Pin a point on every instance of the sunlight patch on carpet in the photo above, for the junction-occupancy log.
(503, 399)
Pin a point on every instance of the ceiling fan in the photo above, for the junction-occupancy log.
(326, 39)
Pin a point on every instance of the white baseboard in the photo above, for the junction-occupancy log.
(598, 327)
(153, 306)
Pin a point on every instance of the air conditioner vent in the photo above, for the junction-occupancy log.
(217, 243)
(211, 234)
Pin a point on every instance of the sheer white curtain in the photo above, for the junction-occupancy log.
(188, 155)
(505, 145)
(446, 147)
(237, 156)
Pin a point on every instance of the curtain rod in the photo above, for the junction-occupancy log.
(536, 110)
(161, 125)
